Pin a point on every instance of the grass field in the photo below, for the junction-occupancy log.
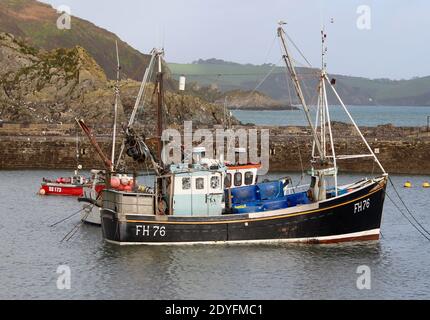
(357, 90)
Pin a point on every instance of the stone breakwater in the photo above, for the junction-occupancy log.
(400, 149)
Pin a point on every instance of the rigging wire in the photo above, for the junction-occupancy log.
(407, 218)
(265, 78)
(270, 48)
(76, 228)
(67, 218)
(265, 61)
(298, 50)
(305, 87)
(407, 209)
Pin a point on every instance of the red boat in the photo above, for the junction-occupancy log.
(73, 186)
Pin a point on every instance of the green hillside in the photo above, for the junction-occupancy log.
(35, 22)
(354, 90)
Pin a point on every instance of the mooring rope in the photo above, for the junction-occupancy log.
(407, 218)
(424, 231)
(67, 218)
(407, 209)
(75, 213)
(76, 227)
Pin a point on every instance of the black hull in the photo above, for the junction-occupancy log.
(355, 216)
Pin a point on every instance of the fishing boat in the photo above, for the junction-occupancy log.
(237, 174)
(66, 186)
(189, 203)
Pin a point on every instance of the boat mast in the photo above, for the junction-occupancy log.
(325, 113)
(115, 107)
(142, 93)
(78, 166)
(290, 65)
(160, 101)
(324, 118)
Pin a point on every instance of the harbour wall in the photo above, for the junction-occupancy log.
(400, 149)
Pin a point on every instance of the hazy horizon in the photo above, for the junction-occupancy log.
(244, 31)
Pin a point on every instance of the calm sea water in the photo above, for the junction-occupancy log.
(363, 115)
(31, 251)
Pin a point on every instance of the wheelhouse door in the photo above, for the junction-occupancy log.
(182, 197)
(199, 201)
(215, 194)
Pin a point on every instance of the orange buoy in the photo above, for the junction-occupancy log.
(115, 182)
(42, 192)
(128, 188)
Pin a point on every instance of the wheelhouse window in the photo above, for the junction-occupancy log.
(215, 182)
(238, 179)
(200, 183)
(186, 183)
(227, 180)
(313, 182)
(249, 178)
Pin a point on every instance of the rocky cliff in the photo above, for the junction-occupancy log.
(38, 86)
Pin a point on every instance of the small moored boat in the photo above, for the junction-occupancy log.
(70, 186)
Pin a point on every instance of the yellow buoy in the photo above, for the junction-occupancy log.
(408, 184)
(426, 184)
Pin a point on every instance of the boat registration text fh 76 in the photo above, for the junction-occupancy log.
(150, 231)
(361, 206)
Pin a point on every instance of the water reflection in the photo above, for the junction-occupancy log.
(31, 251)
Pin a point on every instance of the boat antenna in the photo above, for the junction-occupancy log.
(290, 66)
(117, 96)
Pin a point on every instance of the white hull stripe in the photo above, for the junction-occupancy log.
(297, 240)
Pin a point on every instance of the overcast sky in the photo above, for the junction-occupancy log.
(396, 46)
